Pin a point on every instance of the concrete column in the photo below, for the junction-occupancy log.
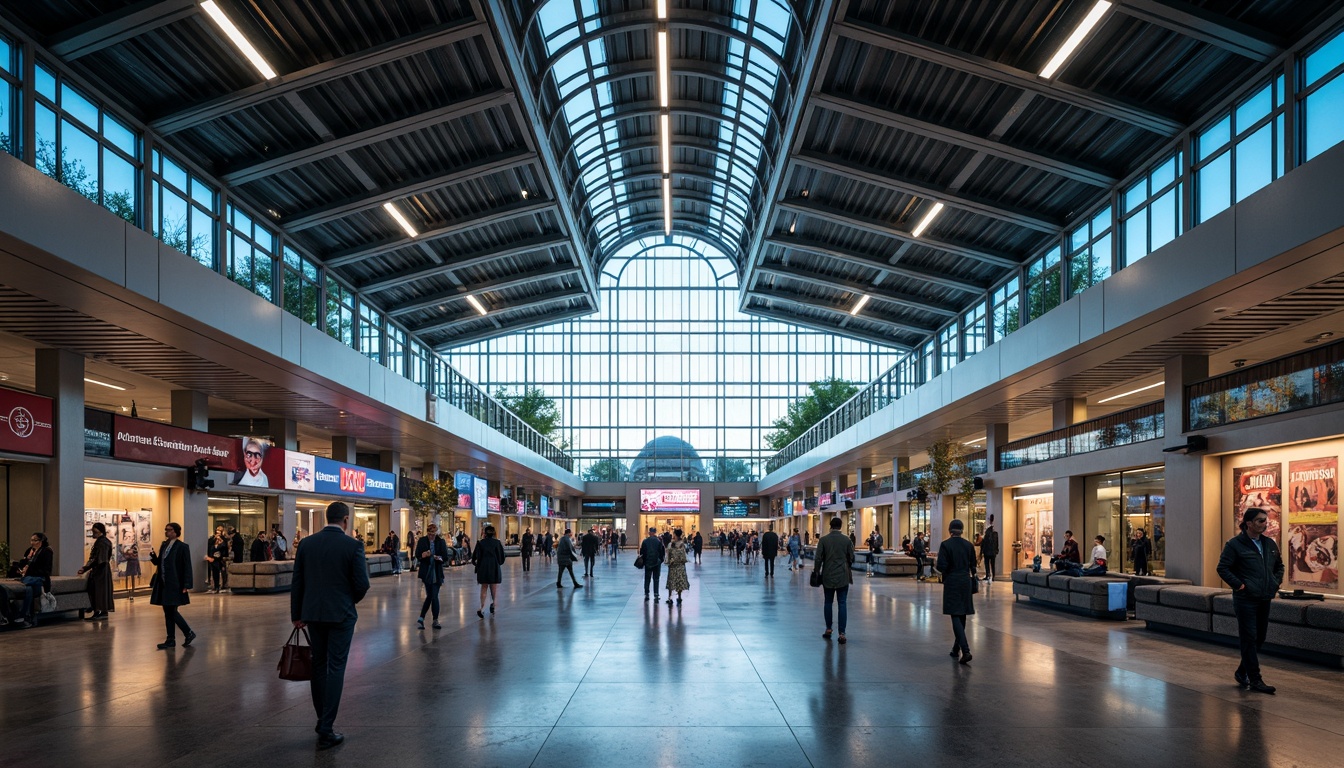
(285, 432)
(1070, 510)
(1193, 531)
(60, 376)
(343, 448)
(191, 410)
(1069, 411)
(287, 512)
(390, 461)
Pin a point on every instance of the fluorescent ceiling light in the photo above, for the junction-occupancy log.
(664, 73)
(667, 205)
(105, 384)
(666, 123)
(396, 215)
(236, 37)
(1075, 39)
(862, 300)
(662, 9)
(1131, 392)
(927, 220)
(476, 304)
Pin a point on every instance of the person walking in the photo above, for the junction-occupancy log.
(676, 567)
(989, 548)
(431, 552)
(654, 553)
(525, 549)
(489, 560)
(391, 546)
(280, 546)
(795, 550)
(217, 555)
(589, 545)
(697, 546)
(412, 539)
(1139, 549)
(956, 562)
(330, 578)
(834, 556)
(565, 557)
(1252, 567)
(99, 568)
(547, 546)
(615, 545)
(171, 585)
(770, 550)
(918, 550)
(723, 542)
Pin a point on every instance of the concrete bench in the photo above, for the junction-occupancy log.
(71, 595)
(379, 564)
(887, 563)
(1305, 629)
(1088, 595)
(261, 577)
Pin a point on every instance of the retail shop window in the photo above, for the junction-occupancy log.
(184, 210)
(302, 286)
(916, 520)
(1323, 97)
(1151, 209)
(1044, 288)
(1130, 510)
(370, 332)
(83, 147)
(9, 97)
(1004, 306)
(1089, 247)
(249, 252)
(340, 312)
(1240, 152)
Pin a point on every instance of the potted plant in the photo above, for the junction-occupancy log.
(948, 470)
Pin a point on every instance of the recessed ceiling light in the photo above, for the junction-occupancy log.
(1131, 392)
(401, 220)
(862, 300)
(476, 304)
(524, 193)
(236, 37)
(1219, 310)
(1075, 39)
(927, 220)
(665, 123)
(109, 385)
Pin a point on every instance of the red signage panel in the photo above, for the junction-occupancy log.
(154, 443)
(25, 423)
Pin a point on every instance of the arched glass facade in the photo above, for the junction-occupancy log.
(669, 354)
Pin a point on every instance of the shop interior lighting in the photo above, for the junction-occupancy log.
(1131, 392)
(105, 384)
(1075, 39)
(927, 220)
(862, 300)
(401, 220)
(667, 205)
(476, 304)
(236, 37)
(664, 73)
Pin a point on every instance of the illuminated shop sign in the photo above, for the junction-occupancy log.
(335, 478)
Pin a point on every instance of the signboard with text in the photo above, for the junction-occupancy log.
(25, 423)
(464, 482)
(669, 500)
(338, 479)
(480, 490)
(154, 443)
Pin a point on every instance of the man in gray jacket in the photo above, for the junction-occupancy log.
(834, 556)
(565, 556)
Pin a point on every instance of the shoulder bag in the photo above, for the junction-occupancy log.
(296, 661)
(639, 561)
(815, 578)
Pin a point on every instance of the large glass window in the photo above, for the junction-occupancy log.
(302, 286)
(947, 348)
(1323, 97)
(1003, 304)
(9, 97)
(249, 253)
(1090, 252)
(1044, 288)
(1240, 152)
(83, 147)
(975, 328)
(184, 212)
(340, 312)
(370, 332)
(1151, 208)
(396, 350)
(1128, 508)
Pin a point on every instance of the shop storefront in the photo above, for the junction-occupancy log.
(1126, 507)
(1034, 505)
(25, 431)
(245, 513)
(134, 516)
(969, 508)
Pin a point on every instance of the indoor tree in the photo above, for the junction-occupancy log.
(823, 398)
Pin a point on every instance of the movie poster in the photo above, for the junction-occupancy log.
(1029, 537)
(1313, 523)
(1258, 487)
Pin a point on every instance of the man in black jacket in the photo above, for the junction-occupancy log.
(236, 544)
(770, 550)
(918, 549)
(1252, 567)
(565, 557)
(654, 553)
(526, 549)
(589, 545)
(989, 548)
(330, 577)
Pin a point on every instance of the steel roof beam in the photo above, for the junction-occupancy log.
(429, 302)
(518, 248)
(487, 219)
(425, 40)
(831, 252)
(1205, 26)
(119, 26)
(891, 119)
(826, 213)
(532, 322)
(877, 292)
(540, 301)
(374, 135)
(477, 170)
(1002, 73)
(811, 303)
(856, 172)
(813, 323)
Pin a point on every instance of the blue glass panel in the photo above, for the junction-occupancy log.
(6, 56)
(46, 83)
(1214, 138)
(1163, 174)
(1136, 236)
(119, 187)
(1255, 161)
(1165, 218)
(120, 136)
(1324, 117)
(1254, 109)
(1213, 184)
(80, 108)
(1324, 59)
(79, 160)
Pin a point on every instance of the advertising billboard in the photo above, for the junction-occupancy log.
(669, 500)
(463, 481)
(492, 504)
(25, 423)
(154, 443)
(338, 479)
(737, 507)
(263, 465)
(545, 506)
(299, 471)
(480, 491)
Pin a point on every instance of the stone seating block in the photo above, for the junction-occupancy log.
(1327, 615)
(1148, 593)
(241, 580)
(273, 582)
(1199, 620)
(1039, 579)
(1326, 641)
(1093, 585)
(1190, 598)
(272, 567)
(1020, 575)
(240, 568)
(1090, 601)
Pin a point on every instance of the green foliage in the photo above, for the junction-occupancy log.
(433, 496)
(74, 174)
(536, 410)
(607, 471)
(725, 470)
(948, 470)
(803, 414)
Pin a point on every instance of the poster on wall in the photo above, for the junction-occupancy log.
(1047, 536)
(480, 497)
(300, 469)
(669, 500)
(1258, 486)
(464, 483)
(1029, 537)
(1313, 523)
(130, 534)
(263, 464)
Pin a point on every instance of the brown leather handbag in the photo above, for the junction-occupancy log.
(296, 660)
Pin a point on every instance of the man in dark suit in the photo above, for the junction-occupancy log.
(770, 550)
(236, 544)
(654, 553)
(330, 576)
(565, 556)
(589, 545)
(526, 549)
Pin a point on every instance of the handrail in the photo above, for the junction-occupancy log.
(461, 392)
(1134, 425)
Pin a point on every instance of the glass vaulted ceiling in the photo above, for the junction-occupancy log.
(729, 81)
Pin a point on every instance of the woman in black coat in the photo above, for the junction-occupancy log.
(99, 568)
(956, 561)
(489, 560)
(172, 582)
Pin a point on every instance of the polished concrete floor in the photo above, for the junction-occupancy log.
(737, 676)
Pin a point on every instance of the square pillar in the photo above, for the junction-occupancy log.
(343, 448)
(1193, 533)
(60, 376)
(1069, 511)
(191, 410)
(285, 432)
(1067, 412)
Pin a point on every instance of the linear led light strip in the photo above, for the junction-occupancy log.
(927, 220)
(862, 300)
(236, 37)
(105, 384)
(1075, 39)
(475, 304)
(665, 116)
(1131, 392)
(400, 219)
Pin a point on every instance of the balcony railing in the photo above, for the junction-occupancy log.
(869, 400)
(462, 393)
(1135, 425)
(878, 487)
(1293, 383)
